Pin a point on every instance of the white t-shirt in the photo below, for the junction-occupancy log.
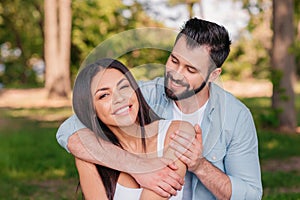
(194, 118)
(123, 192)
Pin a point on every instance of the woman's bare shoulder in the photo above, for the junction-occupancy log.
(179, 125)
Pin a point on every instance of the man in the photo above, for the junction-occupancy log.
(223, 161)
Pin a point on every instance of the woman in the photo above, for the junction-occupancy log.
(107, 100)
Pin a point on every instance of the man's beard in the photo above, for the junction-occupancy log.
(186, 93)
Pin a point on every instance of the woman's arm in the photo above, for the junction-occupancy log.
(169, 153)
(90, 181)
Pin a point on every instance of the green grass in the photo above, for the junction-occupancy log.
(279, 179)
(273, 145)
(262, 112)
(34, 166)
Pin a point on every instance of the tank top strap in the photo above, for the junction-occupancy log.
(163, 127)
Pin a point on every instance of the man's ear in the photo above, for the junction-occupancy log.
(214, 74)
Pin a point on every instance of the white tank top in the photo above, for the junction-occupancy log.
(122, 192)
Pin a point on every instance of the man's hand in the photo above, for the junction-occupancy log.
(188, 152)
(165, 182)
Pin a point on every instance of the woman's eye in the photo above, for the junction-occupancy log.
(124, 86)
(103, 96)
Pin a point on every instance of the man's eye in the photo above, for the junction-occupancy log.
(192, 70)
(174, 61)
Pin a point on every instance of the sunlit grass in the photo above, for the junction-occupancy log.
(40, 114)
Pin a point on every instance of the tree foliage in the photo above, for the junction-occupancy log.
(21, 30)
(93, 21)
(250, 56)
(21, 40)
(96, 21)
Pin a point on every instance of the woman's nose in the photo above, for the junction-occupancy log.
(118, 97)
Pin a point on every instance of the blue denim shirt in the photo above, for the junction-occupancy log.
(229, 140)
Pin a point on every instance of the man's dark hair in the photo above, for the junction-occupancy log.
(199, 32)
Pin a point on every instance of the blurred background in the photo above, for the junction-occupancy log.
(44, 42)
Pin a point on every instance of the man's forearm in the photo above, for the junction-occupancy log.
(76, 148)
(149, 173)
(84, 145)
(214, 180)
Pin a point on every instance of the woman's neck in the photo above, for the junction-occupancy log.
(130, 136)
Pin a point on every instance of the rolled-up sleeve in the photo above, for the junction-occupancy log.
(242, 161)
(242, 190)
(66, 129)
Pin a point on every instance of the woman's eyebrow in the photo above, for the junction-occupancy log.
(101, 89)
(122, 80)
(106, 88)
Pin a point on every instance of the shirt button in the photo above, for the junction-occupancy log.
(214, 158)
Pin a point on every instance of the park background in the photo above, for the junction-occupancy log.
(43, 43)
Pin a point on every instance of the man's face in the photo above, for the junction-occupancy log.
(186, 70)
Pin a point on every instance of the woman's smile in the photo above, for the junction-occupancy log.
(124, 110)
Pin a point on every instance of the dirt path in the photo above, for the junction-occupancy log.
(288, 165)
(29, 98)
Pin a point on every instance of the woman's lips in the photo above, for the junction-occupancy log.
(122, 110)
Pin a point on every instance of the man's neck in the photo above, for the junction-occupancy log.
(193, 103)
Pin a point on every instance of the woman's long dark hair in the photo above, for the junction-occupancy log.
(84, 109)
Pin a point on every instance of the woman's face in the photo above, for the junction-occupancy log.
(114, 99)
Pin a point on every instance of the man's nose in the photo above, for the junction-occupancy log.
(178, 73)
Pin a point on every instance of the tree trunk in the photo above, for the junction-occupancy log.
(50, 44)
(65, 19)
(57, 47)
(283, 64)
